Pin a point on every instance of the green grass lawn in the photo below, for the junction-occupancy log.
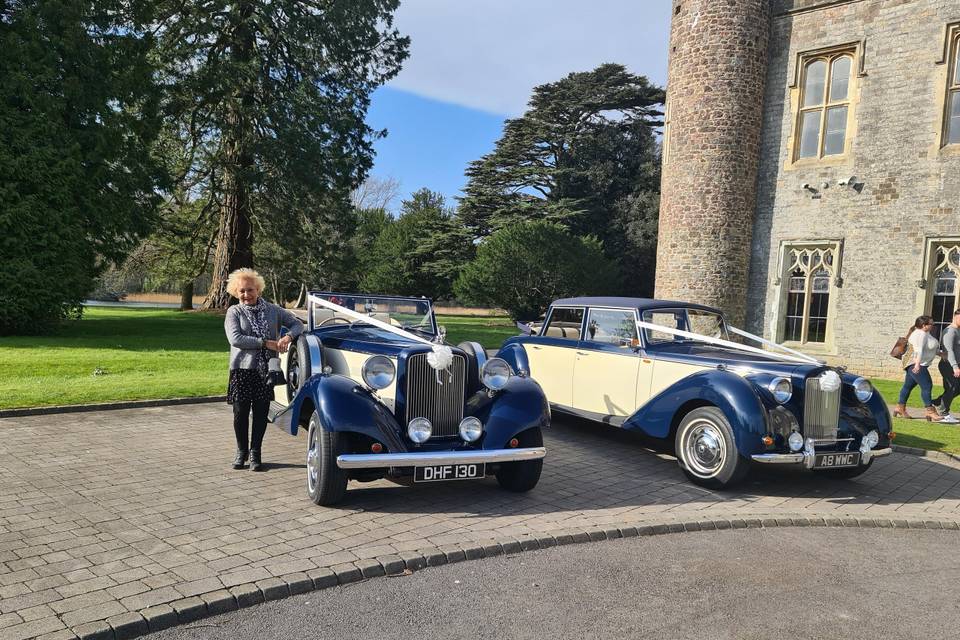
(919, 432)
(116, 353)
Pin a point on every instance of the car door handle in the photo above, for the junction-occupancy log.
(583, 353)
(535, 347)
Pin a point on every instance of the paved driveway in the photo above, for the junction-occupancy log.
(118, 521)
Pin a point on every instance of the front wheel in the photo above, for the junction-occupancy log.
(522, 476)
(326, 482)
(707, 450)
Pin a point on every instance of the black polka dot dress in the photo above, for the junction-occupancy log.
(247, 385)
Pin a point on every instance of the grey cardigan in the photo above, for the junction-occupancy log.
(243, 344)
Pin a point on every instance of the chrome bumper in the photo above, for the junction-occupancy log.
(807, 457)
(430, 459)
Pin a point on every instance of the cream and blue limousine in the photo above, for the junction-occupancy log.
(678, 372)
(381, 395)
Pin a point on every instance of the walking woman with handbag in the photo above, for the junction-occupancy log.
(922, 348)
(253, 329)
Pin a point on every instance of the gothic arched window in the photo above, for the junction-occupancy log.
(824, 105)
(945, 291)
(809, 275)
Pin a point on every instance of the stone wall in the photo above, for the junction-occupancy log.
(908, 186)
(708, 191)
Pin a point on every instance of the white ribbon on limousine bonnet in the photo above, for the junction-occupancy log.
(790, 355)
(440, 357)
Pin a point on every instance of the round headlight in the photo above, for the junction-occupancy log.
(795, 441)
(419, 430)
(495, 374)
(781, 389)
(871, 439)
(863, 389)
(470, 429)
(378, 372)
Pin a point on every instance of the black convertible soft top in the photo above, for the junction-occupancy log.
(632, 303)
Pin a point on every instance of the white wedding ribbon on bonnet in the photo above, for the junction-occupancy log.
(440, 357)
(795, 356)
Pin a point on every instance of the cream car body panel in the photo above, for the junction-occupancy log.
(667, 373)
(350, 364)
(550, 366)
(605, 382)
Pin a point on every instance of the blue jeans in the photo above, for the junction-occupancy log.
(911, 379)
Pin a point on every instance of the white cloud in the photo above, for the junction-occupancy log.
(489, 54)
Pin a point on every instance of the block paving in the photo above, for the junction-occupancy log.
(117, 523)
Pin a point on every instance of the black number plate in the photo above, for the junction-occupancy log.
(443, 472)
(835, 460)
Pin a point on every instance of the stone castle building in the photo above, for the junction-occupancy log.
(811, 172)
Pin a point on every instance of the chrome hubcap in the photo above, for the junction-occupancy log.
(704, 450)
(313, 459)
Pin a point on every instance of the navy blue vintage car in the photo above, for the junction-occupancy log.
(673, 371)
(381, 395)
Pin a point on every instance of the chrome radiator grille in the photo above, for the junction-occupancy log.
(441, 404)
(821, 412)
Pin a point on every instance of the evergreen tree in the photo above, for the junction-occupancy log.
(420, 253)
(524, 267)
(585, 156)
(270, 96)
(78, 183)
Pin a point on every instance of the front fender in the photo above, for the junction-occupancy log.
(519, 406)
(515, 355)
(343, 405)
(732, 394)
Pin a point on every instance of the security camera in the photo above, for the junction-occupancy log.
(806, 185)
(843, 183)
(825, 185)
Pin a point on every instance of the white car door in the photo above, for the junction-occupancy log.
(552, 354)
(607, 363)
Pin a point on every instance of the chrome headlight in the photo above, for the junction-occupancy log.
(871, 439)
(781, 389)
(419, 430)
(378, 372)
(470, 429)
(495, 374)
(795, 441)
(863, 389)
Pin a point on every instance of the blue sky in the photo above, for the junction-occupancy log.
(474, 63)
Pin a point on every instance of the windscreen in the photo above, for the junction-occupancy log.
(413, 314)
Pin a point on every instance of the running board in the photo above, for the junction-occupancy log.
(280, 415)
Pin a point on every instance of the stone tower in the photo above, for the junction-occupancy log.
(715, 88)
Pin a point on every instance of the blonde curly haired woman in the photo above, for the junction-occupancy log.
(253, 331)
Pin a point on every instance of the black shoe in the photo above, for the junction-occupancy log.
(255, 460)
(241, 459)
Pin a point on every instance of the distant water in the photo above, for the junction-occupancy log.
(104, 303)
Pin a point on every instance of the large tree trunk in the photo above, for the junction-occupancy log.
(302, 297)
(186, 295)
(235, 234)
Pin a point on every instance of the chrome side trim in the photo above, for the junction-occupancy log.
(799, 458)
(426, 459)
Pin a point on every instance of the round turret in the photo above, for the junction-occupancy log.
(715, 89)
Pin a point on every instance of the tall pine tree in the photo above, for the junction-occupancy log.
(270, 97)
(585, 156)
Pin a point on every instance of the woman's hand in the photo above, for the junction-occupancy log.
(271, 345)
(283, 344)
(916, 368)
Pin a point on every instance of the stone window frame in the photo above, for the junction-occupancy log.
(951, 63)
(787, 259)
(941, 253)
(856, 50)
